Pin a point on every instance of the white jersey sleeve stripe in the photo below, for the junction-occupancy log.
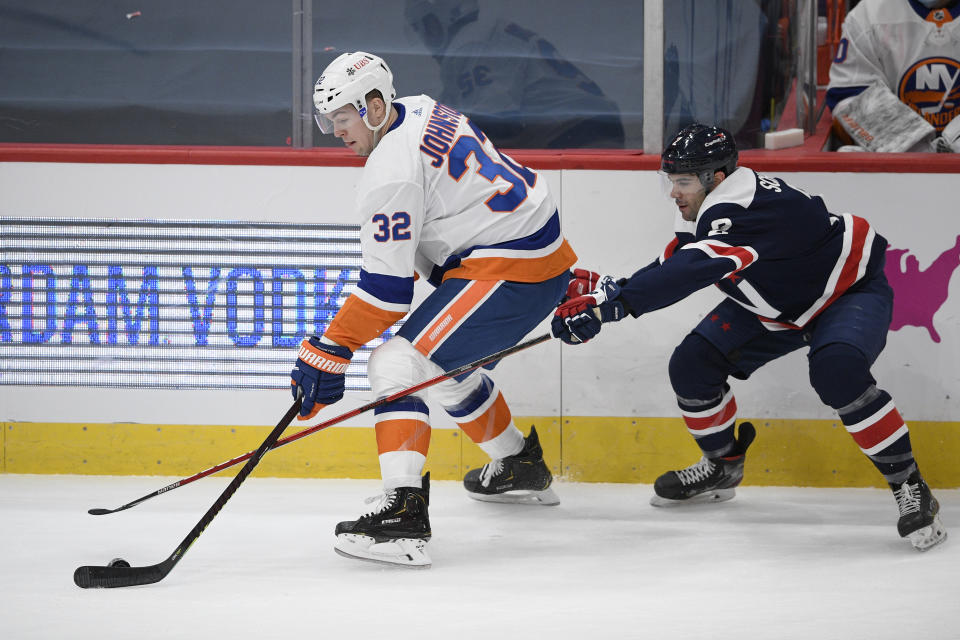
(742, 257)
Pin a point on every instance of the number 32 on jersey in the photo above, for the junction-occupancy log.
(519, 177)
(395, 227)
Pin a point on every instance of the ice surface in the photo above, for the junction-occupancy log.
(773, 563)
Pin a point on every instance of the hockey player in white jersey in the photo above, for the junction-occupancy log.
(437, 201)
(796, 276)
(895, 79)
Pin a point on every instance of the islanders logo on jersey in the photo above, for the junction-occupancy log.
(932, 88)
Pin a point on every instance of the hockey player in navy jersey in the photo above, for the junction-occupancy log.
(795, 275)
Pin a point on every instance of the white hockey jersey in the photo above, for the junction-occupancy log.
(437, 198)
(912, 50)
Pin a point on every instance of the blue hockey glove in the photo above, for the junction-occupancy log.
(581, 283)
(580, 318)
(320, 373)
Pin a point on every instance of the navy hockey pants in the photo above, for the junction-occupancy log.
(844, 341)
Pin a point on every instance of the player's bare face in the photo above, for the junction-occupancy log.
(349, 127)
(688, 193)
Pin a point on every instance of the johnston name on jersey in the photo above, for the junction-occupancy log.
(772, 248)
(437, 198)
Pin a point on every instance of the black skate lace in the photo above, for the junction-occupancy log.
(384, 501)
(908, 498)
(490, 471)
(696, 472)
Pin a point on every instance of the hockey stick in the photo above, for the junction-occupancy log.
(323, 425)
(88, 577)
(116, 576)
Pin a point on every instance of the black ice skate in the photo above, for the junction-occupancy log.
(919, 520)
(522, 478)
(395, 532)
(710, 480)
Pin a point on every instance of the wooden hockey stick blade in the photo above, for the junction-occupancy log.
(329, 423)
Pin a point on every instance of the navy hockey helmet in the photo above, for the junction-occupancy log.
(701, 150)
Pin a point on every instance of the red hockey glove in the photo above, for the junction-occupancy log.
(580, 319)
(582, 282)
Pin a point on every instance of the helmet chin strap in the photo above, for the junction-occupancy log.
(378, 130)
(378, 135)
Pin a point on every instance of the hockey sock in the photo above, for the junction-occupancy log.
(880, 432)
(711, 422)
(483, 414)
(403, 439)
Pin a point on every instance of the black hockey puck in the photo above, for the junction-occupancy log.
(119, 562)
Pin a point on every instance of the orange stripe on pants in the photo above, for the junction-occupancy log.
(452, 315)
(403, 435)
(490, 423)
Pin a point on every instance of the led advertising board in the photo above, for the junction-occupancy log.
(169, 303)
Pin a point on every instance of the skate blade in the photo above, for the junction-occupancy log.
(928, 537)
(546, 498)
(717, 495)
(402, 552)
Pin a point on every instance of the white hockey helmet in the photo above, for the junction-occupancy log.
(348, 80)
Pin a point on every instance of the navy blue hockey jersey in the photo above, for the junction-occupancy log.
(770, 247)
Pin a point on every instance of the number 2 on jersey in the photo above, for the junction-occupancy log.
(518, 176)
